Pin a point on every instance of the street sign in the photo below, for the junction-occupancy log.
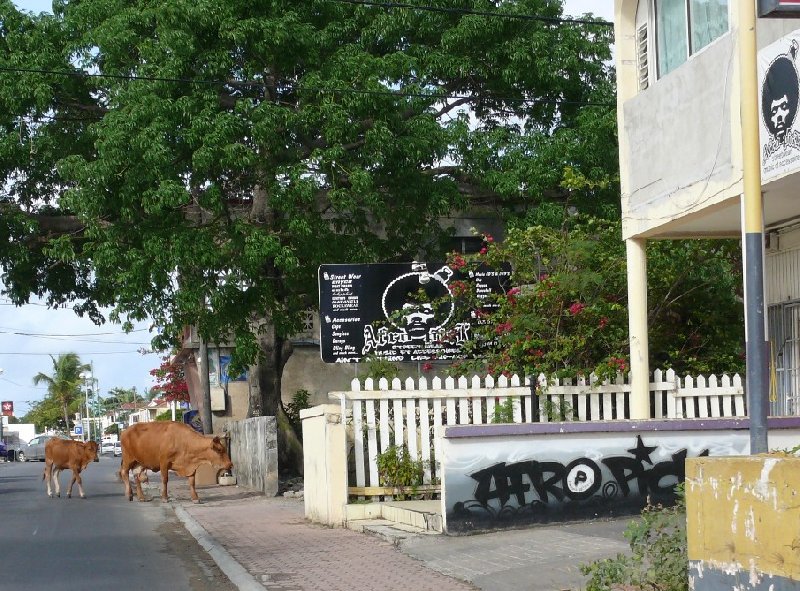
(78, 430)
(8, 408)
(779, 8)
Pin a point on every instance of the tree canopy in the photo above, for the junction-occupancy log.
(194, 161)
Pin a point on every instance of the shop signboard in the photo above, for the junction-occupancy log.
(402, 312)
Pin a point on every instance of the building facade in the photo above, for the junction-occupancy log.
(681, 156)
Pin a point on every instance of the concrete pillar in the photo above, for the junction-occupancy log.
(637, 328)
(324, 464)
(742, 520)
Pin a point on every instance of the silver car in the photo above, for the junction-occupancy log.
(34, 449)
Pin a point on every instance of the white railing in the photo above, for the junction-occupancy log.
(412, 414)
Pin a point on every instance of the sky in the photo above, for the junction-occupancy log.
(30, 334)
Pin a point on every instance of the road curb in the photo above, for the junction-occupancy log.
(237, 574)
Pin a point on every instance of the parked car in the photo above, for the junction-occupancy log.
(107, 447)
(117, 448)
(3, 450)
(34, 449)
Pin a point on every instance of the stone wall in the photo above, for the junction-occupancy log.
(254, 453)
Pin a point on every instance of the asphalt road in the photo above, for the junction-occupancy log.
(101, 542)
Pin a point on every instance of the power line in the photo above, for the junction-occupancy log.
(493, 14)
(7, 330)
(76, 340)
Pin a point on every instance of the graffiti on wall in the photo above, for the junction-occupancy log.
(532, 489)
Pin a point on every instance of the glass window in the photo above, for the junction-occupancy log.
(709, 20)
(671, 29)
(684, 27)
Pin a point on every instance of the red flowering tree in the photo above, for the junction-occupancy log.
(171, 381)
(567, 314)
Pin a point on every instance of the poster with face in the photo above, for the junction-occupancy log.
(778, 104)
(399, 311)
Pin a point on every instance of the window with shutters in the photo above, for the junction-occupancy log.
(641, 56)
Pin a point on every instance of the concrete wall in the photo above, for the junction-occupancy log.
(680, 138)
(254, 453)
(324, 464)
(501, 476)
(743, 521)
(679, 144)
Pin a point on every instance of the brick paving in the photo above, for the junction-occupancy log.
(271, 539)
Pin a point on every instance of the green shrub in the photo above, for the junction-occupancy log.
(659, 559)
(397, 469)
(504, 413)
(167, 415)
(298, 403)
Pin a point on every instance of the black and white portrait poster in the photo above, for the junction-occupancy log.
(778, 103)
(400, 311)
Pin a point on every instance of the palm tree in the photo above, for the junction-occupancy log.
(64, 385)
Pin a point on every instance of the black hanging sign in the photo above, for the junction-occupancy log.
(400, 311)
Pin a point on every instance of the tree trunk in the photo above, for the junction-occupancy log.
(66, 417)
(265, 397)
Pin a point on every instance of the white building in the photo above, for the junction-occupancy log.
(681, 156)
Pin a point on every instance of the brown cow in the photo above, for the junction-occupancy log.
(164, 446)
(60, 454)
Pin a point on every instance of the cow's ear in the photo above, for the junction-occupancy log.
(217, 440)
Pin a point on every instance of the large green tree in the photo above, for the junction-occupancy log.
(194, 161)
(63, 385)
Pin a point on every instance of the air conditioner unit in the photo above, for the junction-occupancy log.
(771, 242)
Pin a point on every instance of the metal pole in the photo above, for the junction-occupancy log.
(87, 432)
(205, 409)
(1, 416)
(753, 243)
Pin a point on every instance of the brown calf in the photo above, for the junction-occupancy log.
(60, 454)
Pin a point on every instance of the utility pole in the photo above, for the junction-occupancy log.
(205, 410)
(756, 345)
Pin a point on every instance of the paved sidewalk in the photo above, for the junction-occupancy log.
(266, 543)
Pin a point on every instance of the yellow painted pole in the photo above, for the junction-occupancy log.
(753, 225)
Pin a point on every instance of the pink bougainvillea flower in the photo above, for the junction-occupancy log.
(576, 308)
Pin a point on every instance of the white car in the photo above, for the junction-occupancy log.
(107, 447)
(117, 448)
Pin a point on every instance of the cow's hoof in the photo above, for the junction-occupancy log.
(196, 501)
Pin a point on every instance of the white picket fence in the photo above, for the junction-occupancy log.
(412, 414)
